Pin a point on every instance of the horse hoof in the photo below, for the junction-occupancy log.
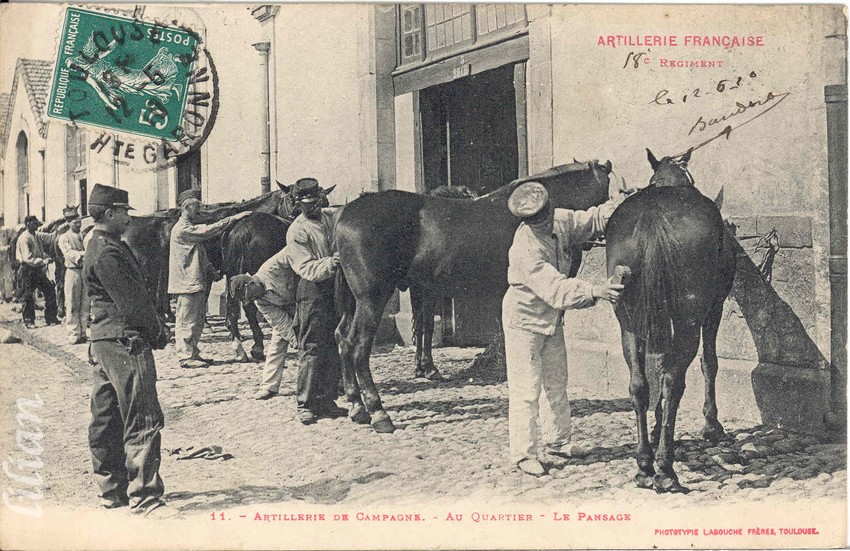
(713, 433)
(434, 376)
(258, 355)
(418, 374)
(668, 485)
(361, 418)
(643, 480)
(383, 426)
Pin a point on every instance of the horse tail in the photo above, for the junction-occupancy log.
(343, 296)
(655, 286)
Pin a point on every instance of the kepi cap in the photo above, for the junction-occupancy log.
(31, 218)
(107, 196)
(184, 196)
(528, 199)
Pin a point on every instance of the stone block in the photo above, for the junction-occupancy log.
(792, 397)
(744, 225)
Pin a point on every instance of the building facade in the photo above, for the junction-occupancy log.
(416, 96)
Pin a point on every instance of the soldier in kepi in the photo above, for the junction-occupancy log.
(188, 269)
(76, 301)
(32, 252)
(124, 435)
(310, 238)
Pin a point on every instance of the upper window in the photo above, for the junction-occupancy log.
(426, 30)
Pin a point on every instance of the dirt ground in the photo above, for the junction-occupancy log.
(450, 446)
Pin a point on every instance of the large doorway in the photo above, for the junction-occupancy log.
(469, 138)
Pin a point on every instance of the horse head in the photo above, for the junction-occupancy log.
(670, 171)
(288, 207)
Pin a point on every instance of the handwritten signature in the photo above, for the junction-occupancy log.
(769, 102)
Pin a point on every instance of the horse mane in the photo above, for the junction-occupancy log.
(453, 192)
(554, 173)
(248, 204)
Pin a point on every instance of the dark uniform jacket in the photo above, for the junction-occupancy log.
(120, 305)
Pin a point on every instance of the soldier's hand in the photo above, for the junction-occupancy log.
(135, 344)
(241, 215)
(48, 260)
(608, 291)
(335, 260)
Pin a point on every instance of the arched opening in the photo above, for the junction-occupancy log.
(23, 173)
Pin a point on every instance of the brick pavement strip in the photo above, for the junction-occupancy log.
(452, 441)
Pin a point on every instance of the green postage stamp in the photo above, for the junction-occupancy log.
(122, 74)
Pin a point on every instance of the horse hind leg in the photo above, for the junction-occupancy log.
(356, 408)
(713, 430)
(367, 316)
(251, 315)
(682, 351)
(639, 394)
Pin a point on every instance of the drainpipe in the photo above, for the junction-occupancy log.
(836, 132)
(265, 148)
(41, 152)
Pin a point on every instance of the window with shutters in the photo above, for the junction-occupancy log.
(434, 30)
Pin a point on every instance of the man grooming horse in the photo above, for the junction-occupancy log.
(188, 271)
(533, 316)
(309, 250)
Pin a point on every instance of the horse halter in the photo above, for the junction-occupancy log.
(682, 166)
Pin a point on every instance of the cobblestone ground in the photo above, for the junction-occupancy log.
(451, 442)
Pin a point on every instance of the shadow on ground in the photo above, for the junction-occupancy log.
(327, 491)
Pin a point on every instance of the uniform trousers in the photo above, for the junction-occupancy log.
(535, 361)
(124, 435)
(31, 279)
(280, 319)
(189, 323)
(76, 304)
(316, 320)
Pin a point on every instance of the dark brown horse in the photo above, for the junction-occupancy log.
(677, 262)
(395, 240)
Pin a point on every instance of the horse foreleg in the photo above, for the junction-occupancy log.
(231, 317)
(345, 343)
(682, 351)
(639, 394)
(418, 330)
(251, 315)
(429, 370)
(712, 430)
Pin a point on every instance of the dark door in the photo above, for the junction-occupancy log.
(189, 171)
(469, 138)
(84, 197)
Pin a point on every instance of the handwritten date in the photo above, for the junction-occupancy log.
(722, 86)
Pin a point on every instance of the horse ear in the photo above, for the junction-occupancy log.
(282, 187)
(329, 190)
(575, 161)
(718, 201)
(687, 156)
(607, 166)
(653, 162)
